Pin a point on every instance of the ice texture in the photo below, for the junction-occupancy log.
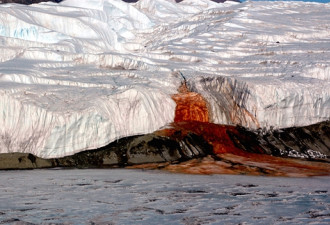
(153, 197)
(81, 74)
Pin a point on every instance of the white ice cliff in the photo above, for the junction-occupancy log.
(81, 74)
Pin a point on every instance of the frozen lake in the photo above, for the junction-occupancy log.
(123, 196)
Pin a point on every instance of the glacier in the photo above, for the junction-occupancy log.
(80, 74)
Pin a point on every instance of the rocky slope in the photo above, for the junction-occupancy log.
(218, 148)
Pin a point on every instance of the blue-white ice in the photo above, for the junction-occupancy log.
(120, 196)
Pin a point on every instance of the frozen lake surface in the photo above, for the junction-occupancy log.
(123, 196)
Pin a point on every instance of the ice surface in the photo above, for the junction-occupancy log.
(80, 74)
(152, 197)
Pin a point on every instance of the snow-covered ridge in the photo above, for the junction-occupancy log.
(80, 74)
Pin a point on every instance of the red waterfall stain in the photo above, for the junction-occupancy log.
(230, 159)
(214, 134)
(192, 115)
(190, 106)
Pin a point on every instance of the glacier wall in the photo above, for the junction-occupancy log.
(80, 74)
(54, 131)
(243, 102)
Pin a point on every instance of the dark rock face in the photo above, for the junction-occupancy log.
(185, 142)
(148, 148)
(134, 150)
(311, 142)
(23, 161)
(292, 152)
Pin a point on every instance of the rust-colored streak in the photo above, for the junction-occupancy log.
(235, 151)
(231, 159)
(264, 165)
(217, 135)
(190, 106)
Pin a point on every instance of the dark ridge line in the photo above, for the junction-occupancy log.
(295, 142)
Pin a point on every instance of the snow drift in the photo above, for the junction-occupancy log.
(81, 74)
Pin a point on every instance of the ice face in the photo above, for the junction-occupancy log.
(80, 74)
